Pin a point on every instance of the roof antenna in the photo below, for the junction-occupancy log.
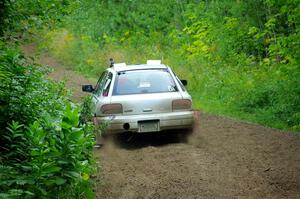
(111, 62)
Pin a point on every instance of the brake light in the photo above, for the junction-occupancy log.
(111, 108)
(181, 104)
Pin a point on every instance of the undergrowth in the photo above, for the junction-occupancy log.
(45, 151)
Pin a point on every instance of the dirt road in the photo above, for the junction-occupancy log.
(223, 158)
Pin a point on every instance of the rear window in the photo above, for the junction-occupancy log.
(144, 81)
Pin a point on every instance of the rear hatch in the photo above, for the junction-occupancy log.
(145, 91)
(146, 103)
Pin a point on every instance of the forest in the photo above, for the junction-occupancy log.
(241, 60)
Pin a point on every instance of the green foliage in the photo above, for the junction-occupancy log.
(57, 158)
(241, 57)
(25, 95)
(86, 110)
(45, 151)
(20, 16)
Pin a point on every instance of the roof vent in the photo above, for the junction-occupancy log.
(153, 62)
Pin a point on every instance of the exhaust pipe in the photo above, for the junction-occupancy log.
(126, 126)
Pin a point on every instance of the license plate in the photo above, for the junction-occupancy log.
(148, 126)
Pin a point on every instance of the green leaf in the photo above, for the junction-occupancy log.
(60, 181)
(29, 193)
(51, 169)
(72, 174)
(26, 168)
(76, 135)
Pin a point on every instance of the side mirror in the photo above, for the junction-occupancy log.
(87, 88)
(184, 82)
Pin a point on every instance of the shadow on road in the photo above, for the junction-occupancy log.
(135, 141)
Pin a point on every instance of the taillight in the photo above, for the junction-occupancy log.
(111, 108)
(181, 104)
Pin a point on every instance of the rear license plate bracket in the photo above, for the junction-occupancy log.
(148, 126)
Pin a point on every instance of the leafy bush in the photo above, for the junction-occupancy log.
(25, 95)
(45, 151)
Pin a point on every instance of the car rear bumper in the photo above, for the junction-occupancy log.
(173, 120)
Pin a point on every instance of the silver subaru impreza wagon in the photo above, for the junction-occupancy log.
(141, 98)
